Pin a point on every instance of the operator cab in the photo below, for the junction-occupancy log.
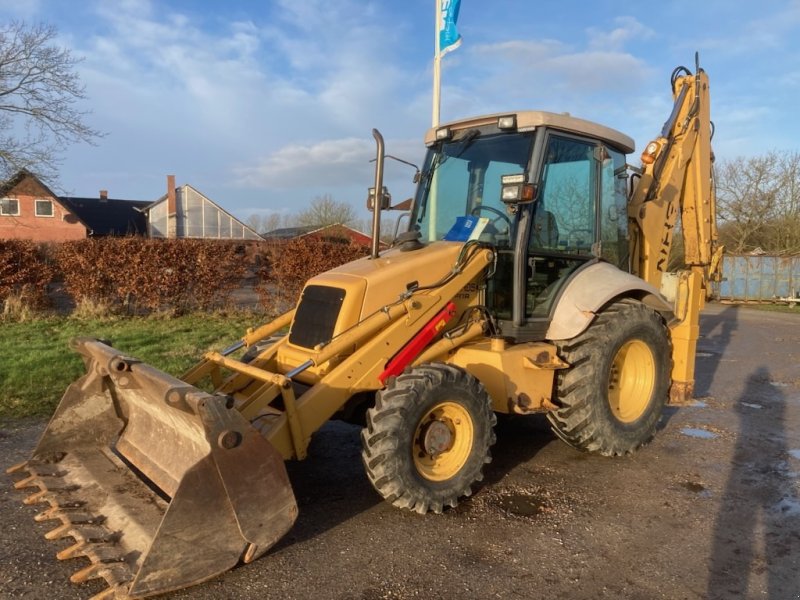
(548, 191)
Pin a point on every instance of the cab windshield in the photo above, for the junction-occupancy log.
(461, 178)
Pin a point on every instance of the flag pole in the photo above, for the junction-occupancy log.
(437, 64)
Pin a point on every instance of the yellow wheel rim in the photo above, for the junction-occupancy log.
(443, 441)
(632, 381)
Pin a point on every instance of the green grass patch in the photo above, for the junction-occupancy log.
(36, 364)
(779, 308)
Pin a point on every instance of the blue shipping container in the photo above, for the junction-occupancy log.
(758, 278)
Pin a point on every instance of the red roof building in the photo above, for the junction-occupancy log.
(328, 233)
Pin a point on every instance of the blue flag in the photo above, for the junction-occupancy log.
(449, 38)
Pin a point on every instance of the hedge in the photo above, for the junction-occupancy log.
(139, 275)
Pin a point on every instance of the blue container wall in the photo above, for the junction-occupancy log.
(759, 278)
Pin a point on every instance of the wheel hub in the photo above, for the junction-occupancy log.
(631, 381)
(443, 441)
(436, 438)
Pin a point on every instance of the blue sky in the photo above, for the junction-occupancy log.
(265, 105)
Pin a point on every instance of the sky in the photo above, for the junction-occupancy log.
(265, 105)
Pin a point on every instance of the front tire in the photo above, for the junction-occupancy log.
(612, 396)
(428, 437)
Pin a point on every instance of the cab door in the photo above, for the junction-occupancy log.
(562, 229)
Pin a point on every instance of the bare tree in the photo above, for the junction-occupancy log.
(324, 210)
(39, 94)
(759, 203)
(265, 223)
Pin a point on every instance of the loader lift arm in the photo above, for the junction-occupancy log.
(677, 177)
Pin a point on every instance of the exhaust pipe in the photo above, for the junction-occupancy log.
(378, 200)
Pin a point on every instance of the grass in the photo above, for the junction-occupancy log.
(779, 308)
(36, 364)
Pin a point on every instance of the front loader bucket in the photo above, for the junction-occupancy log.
(160, 484)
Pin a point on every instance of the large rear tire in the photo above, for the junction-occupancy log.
(612, 396)
(428, 437)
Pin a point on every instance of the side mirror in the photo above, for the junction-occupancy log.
(385, 200)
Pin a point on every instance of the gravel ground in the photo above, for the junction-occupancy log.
(710, 509)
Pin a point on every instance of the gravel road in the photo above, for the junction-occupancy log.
(710, 509)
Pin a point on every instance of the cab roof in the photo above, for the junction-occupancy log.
(530, 119)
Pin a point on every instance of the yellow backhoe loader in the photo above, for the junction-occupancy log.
(531, 278)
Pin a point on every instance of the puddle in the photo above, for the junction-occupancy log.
(698, 433)
(697, 488)
(751, 405)
(699, 404)
(779, 384)
(704, 354)
(523, 505)
(795, 454)
(788, 507)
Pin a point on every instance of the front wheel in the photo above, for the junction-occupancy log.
(611, 397)
(428, 437)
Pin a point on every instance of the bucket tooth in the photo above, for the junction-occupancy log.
(62, 531)
(109, 593)
(97, 553)
(74, 551)
(64, 511)
(115, 574)
(28, 482)
(47, 484)
(17, 467)
(35, 498)
(76, 516)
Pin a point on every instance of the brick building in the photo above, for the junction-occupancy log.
(29, 210)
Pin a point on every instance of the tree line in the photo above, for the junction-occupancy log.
(758, 203)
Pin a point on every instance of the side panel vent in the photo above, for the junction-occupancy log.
(315, 319)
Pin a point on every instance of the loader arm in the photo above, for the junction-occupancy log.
(377, 339)
(677, 178)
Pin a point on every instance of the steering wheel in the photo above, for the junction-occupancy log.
(500, 216)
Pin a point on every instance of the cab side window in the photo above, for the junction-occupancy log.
(614, 209)
(565, 219)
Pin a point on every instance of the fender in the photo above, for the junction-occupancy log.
(593, 287)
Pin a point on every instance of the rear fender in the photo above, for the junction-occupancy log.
(591, 289)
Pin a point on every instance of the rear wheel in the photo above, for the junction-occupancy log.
(611, 397)
(428, 437)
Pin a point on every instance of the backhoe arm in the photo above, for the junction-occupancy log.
(677, 178)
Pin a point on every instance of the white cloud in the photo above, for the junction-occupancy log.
(628, 28)
(549, 75)
(332, 161)
(519, 51)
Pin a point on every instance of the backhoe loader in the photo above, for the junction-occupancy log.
(532, 278)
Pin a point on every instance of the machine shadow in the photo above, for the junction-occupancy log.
(331, 486)
(519, 439)
(753, 531)
(715, 336)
